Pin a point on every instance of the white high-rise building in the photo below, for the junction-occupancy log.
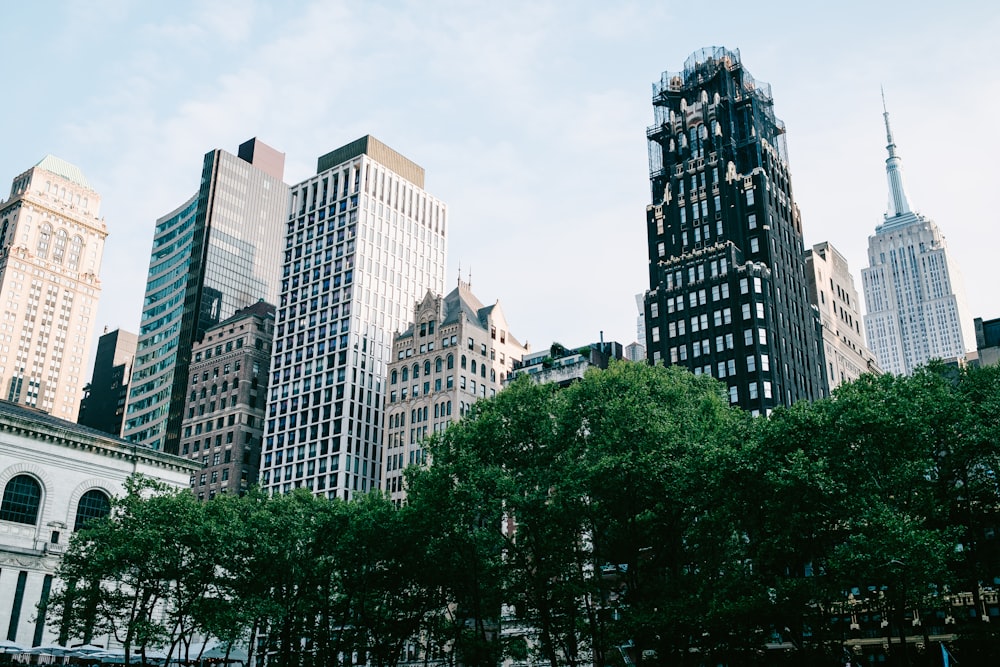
(831, 288)
(913, 292)
(364, 242)
(51, 245)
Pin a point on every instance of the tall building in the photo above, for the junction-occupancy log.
(103, 405)
(915, 302)
(51, 244)
(455, 352)
(728, 290)
(218, 252)
(364, 242)
(831, 288)
(224, 419)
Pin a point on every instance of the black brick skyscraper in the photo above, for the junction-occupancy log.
(728, 291)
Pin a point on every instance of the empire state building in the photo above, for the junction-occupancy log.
(913, 292)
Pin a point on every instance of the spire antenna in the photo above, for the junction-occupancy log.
(898, 202)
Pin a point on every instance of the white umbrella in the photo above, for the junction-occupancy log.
(49, 649)
(7, 646)
(87, 649)
(236, 654)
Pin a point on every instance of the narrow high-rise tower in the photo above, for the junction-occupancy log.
(51, 244)
(218, 252)
(103, 407)
(914, 299)
(728, 289)
(831, 288)
(364, 242)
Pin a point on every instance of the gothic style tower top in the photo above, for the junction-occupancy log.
(898, 203)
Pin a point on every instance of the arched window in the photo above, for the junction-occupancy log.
(427, 367)
(451, 361)
(44, 236)
(464, 363)
(21, 499)
(406, 373)
(473, 369)
(59, 249)
(75, 250)
(94, 504)
(225, 385)
(416, 371)
(395, 377)
(437, 364)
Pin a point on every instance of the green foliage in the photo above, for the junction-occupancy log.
(631, 517)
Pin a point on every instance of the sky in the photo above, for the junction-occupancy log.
(529, 118)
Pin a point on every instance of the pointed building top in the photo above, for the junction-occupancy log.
(898, 202)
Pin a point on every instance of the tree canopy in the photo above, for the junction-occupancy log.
(634, 517)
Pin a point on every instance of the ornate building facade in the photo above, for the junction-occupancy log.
(51, 245)
(456, 352)
(914, 297)
(728, 290)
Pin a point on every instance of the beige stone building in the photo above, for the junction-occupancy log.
(831, 289)
(51, 245)
(456, 352)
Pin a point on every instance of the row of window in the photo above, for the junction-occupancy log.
(22, 498)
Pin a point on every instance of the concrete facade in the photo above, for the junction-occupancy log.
(364, 242)
(831, 288)
(51, 245)
(53, 475)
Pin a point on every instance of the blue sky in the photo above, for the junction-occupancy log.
(529, 118)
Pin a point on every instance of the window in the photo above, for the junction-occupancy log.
(94, 504)
(21, 499)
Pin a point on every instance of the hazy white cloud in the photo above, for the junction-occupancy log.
(528, 116)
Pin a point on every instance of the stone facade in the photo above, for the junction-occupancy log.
(51, 245)
(55, 474)
(224, 415)
(456, 352)
(831, 288)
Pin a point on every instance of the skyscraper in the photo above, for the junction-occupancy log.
(728, 289)
(51, 244)
(831, 288)
(218, 252)
(104, 404)
(364, 241)
(224, 418)
(455, 352)
(915, 302)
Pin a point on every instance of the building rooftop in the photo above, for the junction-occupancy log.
(375, 149)
(62, 168)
